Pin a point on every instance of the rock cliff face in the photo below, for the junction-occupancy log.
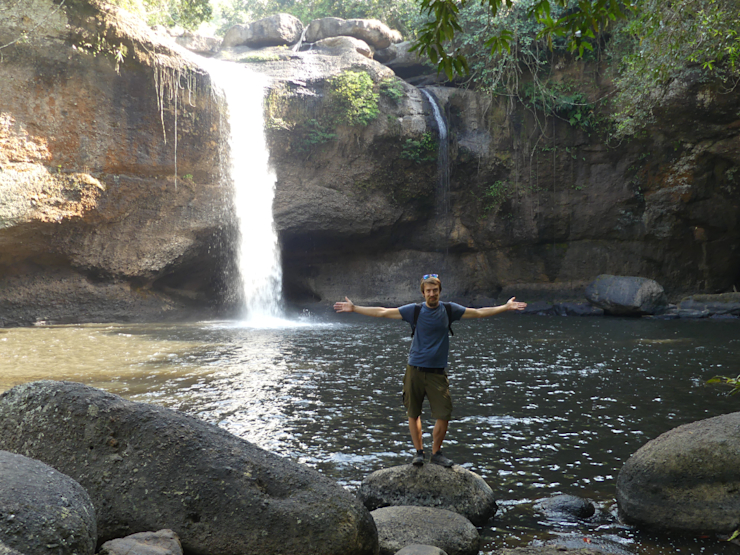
(93, 224)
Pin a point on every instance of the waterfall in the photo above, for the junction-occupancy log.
(443, 158)
(258, 251)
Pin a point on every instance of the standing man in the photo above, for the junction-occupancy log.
(426, 369)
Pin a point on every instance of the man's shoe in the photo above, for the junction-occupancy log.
(418, 459)
(440, 459)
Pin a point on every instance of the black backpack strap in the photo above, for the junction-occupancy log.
(448, 308)
(417, 310)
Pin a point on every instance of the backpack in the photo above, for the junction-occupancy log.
(417, 311)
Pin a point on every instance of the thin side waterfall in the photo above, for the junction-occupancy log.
(443, 157)
(258, 250)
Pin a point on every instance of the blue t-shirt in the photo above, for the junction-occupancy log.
(431, 343)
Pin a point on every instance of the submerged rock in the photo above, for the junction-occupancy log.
(455, 489)
(568, 506)
(399, 527)
(685, 480)
(164, 542)
(42, 511)
(147, 468)
(725, 304)
(626, 295)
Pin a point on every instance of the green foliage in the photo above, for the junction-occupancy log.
(577, 22)
(495, 195)
(421, 151)
(185, 13)
(663, 43)
(734, 382)
(561, 100)
(392, 87)
(352, 98)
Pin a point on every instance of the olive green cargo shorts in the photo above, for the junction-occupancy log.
(436, 387)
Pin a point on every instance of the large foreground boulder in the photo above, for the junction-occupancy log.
(686, 480)
(399, 527)
(626, 295)
(373, 32)
(42, 511)
(149, 468)
(281, 29)
(455, 489)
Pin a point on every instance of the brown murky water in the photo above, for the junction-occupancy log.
(543, 405)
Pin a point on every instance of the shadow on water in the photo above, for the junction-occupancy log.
(543, 405)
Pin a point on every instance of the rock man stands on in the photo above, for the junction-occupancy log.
(426, 369)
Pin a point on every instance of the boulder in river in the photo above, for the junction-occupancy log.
(281, 29)
(685, 480)
(373, 32)
(344, 43)
(42, 511)
(566, 506)
(626, 295)
(455, 489)
(164, 542)
(148, 468)
(399, 527)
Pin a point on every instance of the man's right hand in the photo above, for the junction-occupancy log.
(347, 306)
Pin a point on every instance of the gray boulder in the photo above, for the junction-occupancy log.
(455, 489)
(42, 511)
(344, 43)
(276, 30)
(373, 32)
(416, 549)
(148, 468)
(164, 542)
(626, 295)
(5, 550)
(403, 61)
(399, 527)
(686, 480)
(566, 506)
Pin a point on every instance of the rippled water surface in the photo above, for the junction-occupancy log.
(543, 405)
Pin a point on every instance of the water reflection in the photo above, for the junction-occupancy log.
(542, 405)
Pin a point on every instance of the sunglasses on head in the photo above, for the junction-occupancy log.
(427, 276)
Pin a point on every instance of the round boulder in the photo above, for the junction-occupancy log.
(626, 295)
(417, 549)
(455, 489)
(148, 468)
(566, 506)
(685, 480)
(276, 30)
(344, 43)
(399, 527)
(42, 511)
(373, 32)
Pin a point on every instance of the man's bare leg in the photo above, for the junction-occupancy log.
(438, 435)
(415, 429)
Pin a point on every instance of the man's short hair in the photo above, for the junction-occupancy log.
(431, 280)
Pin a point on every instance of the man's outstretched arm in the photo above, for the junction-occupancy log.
(493, 310)
(376, 311)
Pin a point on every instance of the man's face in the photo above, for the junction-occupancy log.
(431, 295)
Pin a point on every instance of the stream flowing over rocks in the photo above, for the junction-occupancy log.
(105, 216)
(148, 468)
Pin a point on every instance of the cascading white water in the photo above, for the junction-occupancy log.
(443, 158)
(258, 251)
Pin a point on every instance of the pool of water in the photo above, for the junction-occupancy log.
(543, 405)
